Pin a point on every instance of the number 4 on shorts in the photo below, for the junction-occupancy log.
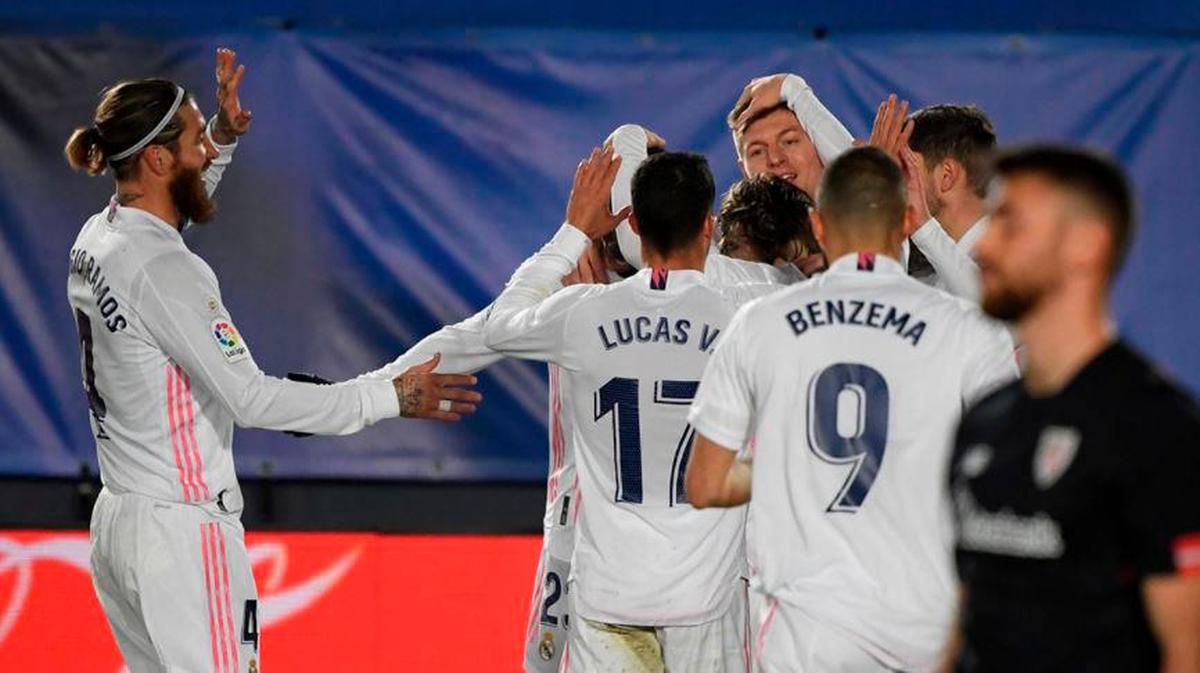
(250, 624)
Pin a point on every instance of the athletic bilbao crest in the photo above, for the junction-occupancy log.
(1056, 451)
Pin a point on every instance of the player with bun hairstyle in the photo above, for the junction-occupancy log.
(168, 376)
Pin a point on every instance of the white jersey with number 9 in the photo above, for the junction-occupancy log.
(852, 385)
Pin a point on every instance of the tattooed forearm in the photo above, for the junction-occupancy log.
(411, 389)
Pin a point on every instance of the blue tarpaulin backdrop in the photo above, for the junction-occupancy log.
(391, 184)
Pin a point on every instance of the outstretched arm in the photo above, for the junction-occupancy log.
(518, 322)
(179, 303)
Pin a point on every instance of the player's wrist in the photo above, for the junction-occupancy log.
(221, 135)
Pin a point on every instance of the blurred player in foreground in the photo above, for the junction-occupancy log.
(655, 583)
(167, 376)
(1074, 489)
(851, 385)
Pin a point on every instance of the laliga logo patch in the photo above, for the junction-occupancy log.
(228, 340)
(1056, 450)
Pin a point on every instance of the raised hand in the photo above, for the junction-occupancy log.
(914, 181)
(892, 127)
(760, 94)
(441, 397)
(232, 120)
(588, 207)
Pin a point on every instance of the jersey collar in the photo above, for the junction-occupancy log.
(135, 214)
(670, 281)
(868, 262)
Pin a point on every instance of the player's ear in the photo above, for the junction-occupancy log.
(911, 224)
(818, 227)
(949, 174)
(709, 225)
(633, 224)
(1087, 247)
(158, 160)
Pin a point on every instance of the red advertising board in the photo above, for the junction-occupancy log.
(329, 602)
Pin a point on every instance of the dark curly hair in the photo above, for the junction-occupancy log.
(770, 215)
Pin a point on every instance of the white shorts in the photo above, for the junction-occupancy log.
(719, 646)
(789, 641)
(175, 584)
(549, 616)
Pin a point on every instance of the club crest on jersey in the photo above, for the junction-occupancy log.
(1055, 452)
(228, 340)
(546, 647)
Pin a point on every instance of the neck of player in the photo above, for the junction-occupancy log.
(690, 258)
(957, 216)
(1060, 336)
(837, 247)
(154, 199)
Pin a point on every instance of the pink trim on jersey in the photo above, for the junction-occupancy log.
(209, 581)
(188, 404)
(564, 664)
(224, 566)
(578, 495)
(762, 630)
(556, 436)
(173, 428)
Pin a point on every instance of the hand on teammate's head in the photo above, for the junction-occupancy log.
(914, 181)
(762, 93)
(441, 397)
(588, 207)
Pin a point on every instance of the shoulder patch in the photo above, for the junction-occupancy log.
(228, 340)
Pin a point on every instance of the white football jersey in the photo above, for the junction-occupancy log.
(852, 384)
(166, 373)
(630, 356)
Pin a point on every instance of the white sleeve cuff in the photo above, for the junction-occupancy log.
(793, 87)
(379, 400)
(221, 149)
(928, 232)
(570, 242)
(828, 135)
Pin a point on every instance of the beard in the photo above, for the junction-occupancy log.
(935, 203)
(190, 197)
(1008, 303)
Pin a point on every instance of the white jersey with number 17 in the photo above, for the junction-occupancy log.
(631, 355)
(852, 384)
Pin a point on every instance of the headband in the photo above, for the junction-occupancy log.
(137, 147)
